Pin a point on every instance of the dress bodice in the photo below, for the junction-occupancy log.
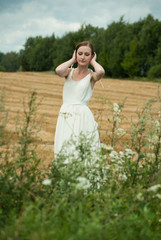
(77, 92)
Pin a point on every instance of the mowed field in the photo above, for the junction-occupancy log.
(49, 90)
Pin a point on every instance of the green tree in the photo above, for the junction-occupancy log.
(104, 60)
(158, 53)
(149, 37)
(37, 54)
(131, 60)
(117, 38)
(1, 56)
(10, 62)
(26, 53)
(2, 69)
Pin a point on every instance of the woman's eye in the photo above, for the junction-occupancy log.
(87, 54)
(80, 53)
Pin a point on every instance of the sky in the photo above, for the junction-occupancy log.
(21, 19)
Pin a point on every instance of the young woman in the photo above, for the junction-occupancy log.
(75, 117)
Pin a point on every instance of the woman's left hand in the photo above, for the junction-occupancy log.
(93, 58)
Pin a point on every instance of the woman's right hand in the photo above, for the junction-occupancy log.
(74, 57)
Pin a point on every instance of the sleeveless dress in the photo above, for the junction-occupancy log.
(75, 117)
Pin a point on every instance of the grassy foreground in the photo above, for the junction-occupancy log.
(84, 194)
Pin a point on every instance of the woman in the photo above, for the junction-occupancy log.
(74, 116)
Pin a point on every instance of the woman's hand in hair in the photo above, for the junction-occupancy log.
(74, 57)
(93, 58)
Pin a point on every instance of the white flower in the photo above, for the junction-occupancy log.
(129, 151)
(109, 148)
(154, 139)
(120, 162)
(46, 182)
(122, 176)
(105, 156)
(140, 165)
(117, 119)
(83, 183)
(150, 155)
(140, 197)
(120, 131)
(159, 114)
(158, 196)
(104, 146)
(113, 155)
(116, 108)
(66, 161)
(157, 123)
(154, 188)
(97, 165)
(121, 154)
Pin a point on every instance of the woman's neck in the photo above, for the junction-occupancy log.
(81, 69)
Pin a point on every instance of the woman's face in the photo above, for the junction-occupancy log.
(84, 55)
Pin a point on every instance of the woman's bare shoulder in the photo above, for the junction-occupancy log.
(68, 72)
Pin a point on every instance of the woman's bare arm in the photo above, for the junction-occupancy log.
(63, 69)
(99, 70)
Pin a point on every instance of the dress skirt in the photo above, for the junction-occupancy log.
(73, 120)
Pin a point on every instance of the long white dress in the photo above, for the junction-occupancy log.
(75, 117)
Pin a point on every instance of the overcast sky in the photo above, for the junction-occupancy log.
(20, 19)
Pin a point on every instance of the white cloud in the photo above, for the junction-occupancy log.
(28, 22)
(27, 18)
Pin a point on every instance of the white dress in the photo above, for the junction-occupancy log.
(75, 117)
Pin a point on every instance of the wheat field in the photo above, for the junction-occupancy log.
(49, 91)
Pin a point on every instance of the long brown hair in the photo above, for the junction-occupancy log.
(85, 43)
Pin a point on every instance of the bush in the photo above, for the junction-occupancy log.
(155, 72)
(2, 69)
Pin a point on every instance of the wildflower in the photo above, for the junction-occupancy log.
(150, 155)
(140, 165)
(121, 154)
(154, 139)
(102, 145)
(113, 155)
(83, 183)
(104, 156)
(140, 197)
(122, 176)
(46, 182)
(117, 120)
(120, 131)
(108, 148)
(159, 114)
(129, 153)
(116, 108)
(158, 196)
(120, 162)
(157, 123)
(154, 188)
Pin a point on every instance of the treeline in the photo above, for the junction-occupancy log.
(123, 49)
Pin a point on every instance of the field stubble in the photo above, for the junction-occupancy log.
(49, 93)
